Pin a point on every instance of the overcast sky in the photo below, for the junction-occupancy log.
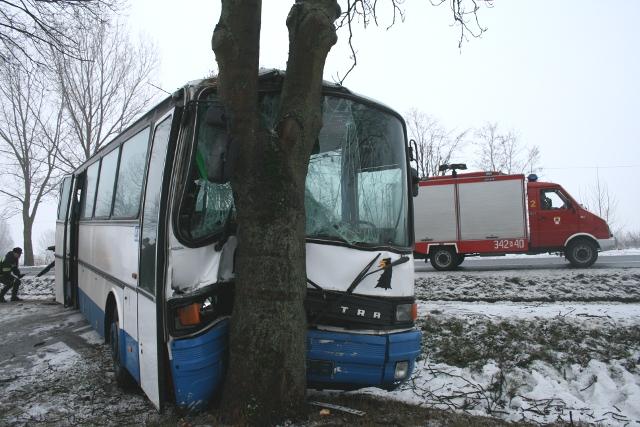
(562, 75)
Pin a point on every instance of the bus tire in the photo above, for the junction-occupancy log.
(123, 378)
(443, 258)
(582, 253)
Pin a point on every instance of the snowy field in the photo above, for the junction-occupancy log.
(540, 346)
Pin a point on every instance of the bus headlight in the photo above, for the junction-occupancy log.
(406, 312)
(189, 315)
(402, 370)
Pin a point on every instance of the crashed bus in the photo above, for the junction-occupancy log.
(145, 246)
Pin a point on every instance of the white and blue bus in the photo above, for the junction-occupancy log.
(145, 241)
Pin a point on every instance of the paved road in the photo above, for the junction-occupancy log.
(536, 263)
(29, 326)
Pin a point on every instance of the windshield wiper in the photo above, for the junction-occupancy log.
(356, 281)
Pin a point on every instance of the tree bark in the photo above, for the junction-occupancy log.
(27, 240)
(266, 379)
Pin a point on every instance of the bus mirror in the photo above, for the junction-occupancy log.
(413, 150)
(415, 179)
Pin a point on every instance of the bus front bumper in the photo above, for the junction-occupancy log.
(347, 361)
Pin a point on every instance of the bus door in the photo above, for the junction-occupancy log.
(73, 224)
(151, 269)
(62, 241)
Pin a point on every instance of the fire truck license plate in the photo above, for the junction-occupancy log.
(505, 244)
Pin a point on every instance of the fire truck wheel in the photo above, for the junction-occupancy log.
(443, 259)
(582, 253)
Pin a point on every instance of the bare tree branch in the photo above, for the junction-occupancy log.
(436, 145)
(464, 12)
(28, 140)
(502, 152)
(30, 27)
(103, 96)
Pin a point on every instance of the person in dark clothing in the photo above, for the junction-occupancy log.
(10, 274)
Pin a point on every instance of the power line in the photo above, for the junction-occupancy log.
(594, 167)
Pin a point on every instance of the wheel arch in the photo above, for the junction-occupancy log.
(112, 301)
(432, 246)
(577, 236)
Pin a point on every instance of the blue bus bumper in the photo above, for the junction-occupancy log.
(339, 361)
(198, 365)
(343, 361)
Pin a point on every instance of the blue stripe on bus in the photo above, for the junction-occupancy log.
(198, 365)
(129, 349)
(92, 312)
(359, 360)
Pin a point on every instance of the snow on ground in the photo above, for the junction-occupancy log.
(620, 284)
(535, 345)
(615, 252)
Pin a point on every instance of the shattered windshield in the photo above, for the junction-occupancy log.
(356, 187)
(207, 203)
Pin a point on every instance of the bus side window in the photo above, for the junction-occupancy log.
(131, 175)
(90, 185)
(104, 196)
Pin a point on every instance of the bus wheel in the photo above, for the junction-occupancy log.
(459, 259)
(582, 253)
(443, 259)
(123, 378)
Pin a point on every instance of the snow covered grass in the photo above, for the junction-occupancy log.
(37, 288)
(540, 346)
(531, 285)
(533, 345)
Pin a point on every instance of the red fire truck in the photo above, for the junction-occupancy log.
(491, 213)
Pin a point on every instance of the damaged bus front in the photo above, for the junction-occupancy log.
(360, 299)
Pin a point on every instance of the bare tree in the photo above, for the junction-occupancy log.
(266, 378)
(6, 242)
(436, 145)
(104, 95)
(497, 151)
(29, 132)
(46, 239)
(365, 12)
(629, 239)
(600, 200)
(532, 160)
(30, 27)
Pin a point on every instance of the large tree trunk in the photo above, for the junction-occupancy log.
(27, 240)
(266, 380)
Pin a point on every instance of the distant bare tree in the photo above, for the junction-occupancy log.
(102, 96)
(30, 27)
(6, 242)
(600, 200)
(30, 126)
(43, 255)
(532, 160)
(629, 239)
(502, 152)
(436, 145)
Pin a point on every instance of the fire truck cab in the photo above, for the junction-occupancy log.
(491, 213)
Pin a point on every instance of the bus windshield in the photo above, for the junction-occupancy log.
(356, 186)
